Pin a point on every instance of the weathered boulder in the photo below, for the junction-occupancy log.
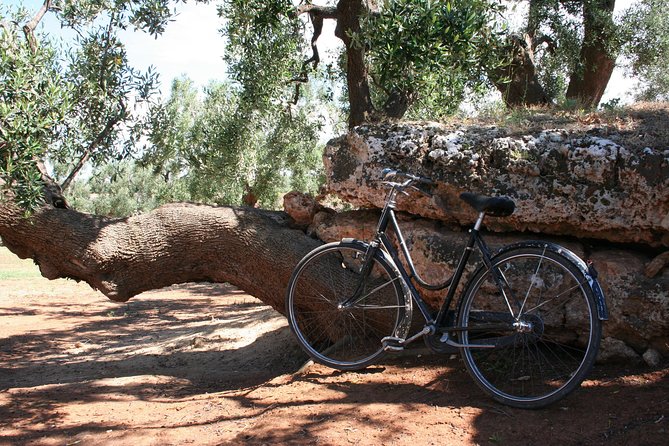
(569, 186)
(638, 305)
(563, 182)
(301, 207)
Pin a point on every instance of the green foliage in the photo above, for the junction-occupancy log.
(33, 102)
(264, 50)
(106, 91)
(245, 138)
(646, 28)
(437, 50)
(125, 188)
(76, 105)
(221, 151)
(149, 15)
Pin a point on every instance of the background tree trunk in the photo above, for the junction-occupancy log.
(518, 82)
(360, 101)
(589, 80)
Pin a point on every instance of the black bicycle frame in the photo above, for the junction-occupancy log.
(388, 218)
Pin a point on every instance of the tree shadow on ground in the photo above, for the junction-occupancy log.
(230, 366)
(623, 406)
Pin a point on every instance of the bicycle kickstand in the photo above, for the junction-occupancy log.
(395, 344)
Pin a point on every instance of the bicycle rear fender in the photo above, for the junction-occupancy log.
(588, 271)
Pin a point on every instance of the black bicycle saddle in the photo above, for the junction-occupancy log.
(493, 206)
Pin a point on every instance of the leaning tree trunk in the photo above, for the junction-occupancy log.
(122, 257)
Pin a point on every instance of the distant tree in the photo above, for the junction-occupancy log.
(227, 149)
(125, 188)
(567, 49)
(646, 48)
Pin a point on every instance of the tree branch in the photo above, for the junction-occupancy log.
(324, 12)
(88, 152)
(29, 28)
(316, 14)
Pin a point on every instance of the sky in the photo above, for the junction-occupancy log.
(193, 46)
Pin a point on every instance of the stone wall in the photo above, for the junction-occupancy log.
(603, 201)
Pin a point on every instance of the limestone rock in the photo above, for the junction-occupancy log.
(301, 207)
(567, 184)
(652, 357)
(638, 306)
(612, 349)
(563, 182)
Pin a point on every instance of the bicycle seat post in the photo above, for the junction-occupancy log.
(479, 221)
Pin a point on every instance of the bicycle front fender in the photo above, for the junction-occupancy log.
(588, 271)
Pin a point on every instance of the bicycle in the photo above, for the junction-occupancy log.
(528, 323)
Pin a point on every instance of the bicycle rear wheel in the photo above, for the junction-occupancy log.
(345, 338)
(543, 326)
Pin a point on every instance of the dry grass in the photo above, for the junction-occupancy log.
(635, 127)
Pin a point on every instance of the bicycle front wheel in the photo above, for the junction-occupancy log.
(540, 317)
(340, 311)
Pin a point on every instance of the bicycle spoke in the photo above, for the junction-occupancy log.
(549, 353)
(344, 336)
(506, 298)
(377, 289)
(532, 280)
(578, 285)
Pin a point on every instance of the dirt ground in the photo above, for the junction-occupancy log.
(206, 364)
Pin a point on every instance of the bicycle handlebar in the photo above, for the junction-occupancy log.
(414, 178)
(410, 180)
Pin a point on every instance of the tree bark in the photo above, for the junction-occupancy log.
(397, 104)
(122, 257)
(360, 101)
(518, 82)
(592, 75)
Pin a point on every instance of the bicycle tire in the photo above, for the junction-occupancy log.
(554, 344)
(345, 338)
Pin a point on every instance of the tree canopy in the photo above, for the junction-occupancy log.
(257, 131)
